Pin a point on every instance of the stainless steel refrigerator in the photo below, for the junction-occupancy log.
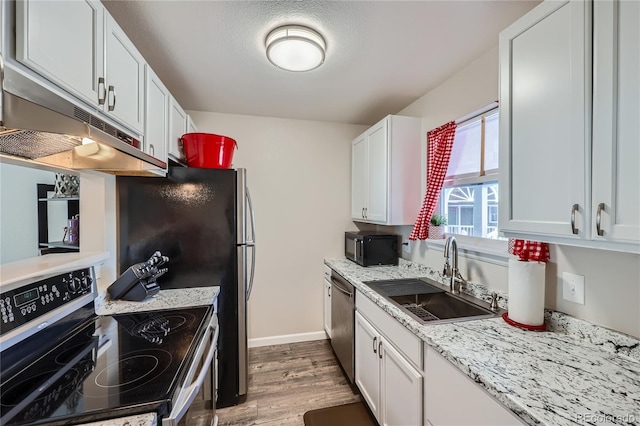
(202, 219)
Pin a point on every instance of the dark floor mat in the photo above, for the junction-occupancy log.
(355, 414)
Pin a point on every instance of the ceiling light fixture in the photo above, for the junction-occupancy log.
(295, 48)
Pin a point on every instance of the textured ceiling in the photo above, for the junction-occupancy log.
(381, 55)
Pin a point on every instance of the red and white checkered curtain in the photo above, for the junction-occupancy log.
(439, 144)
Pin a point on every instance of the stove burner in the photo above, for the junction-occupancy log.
(64, 357)
(130, 368)
(154, 327)
(130, 372)
(14, 395)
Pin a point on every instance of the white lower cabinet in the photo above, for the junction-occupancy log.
(327, 301)
(390, 385)
(452, 399)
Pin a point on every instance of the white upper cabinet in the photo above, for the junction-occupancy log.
(358, 177)
(191, 126)
(177, 128)
(79, 47)
(124, 75)
(385, 172)
(616, 116)
(63, 41)
(544, 120)
(157, 103)
(569, 134)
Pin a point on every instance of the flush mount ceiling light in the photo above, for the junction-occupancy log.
(295, 48)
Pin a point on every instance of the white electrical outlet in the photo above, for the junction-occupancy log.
(573, 287)
(406, 246)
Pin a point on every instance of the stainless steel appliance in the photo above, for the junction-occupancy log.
(202, 220)
(62, 364)
(342, 323)
(368, 248)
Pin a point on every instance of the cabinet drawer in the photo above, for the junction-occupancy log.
(404, 340)
(327, 273)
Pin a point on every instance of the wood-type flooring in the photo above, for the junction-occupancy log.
(285, 381)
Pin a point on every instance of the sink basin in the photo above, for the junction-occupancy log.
(427, 301)
(439, 306)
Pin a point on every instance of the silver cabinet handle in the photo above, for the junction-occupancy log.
(599, 218)
(112, 106)
(574, 209)
(380, 349)
(366, 212)
(152, 149)
(374, 344)
(362, 213)
(102, 92)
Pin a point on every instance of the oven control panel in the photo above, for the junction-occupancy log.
(26, 303)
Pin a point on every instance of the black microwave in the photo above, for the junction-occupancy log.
(367, 248)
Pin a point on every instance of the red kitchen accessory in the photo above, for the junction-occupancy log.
(209, 151)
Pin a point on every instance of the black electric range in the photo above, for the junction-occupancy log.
(86, 367)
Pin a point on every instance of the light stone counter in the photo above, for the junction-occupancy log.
(549, 378)
(165, 299)
(139, 420)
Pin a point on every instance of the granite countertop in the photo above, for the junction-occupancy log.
(575, 373)
(139, 420)
(165, 299)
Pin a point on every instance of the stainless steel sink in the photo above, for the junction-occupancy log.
(429, 302)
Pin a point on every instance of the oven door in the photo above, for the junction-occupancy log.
(196, 397)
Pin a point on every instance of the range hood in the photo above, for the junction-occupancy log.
(39, 124)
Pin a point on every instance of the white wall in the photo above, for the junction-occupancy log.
(299, 175)
(612, 280)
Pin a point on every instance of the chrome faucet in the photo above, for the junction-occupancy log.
(451, 270)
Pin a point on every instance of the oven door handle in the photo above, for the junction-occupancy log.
(188, 394)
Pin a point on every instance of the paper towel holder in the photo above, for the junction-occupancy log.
(543, 327)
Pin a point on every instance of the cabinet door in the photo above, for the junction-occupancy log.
(156, 130)
(377, 170)
(452, 399)
(124, 75)
(191, 126)
(401, 389)
(327, 307)
(358, 177)
(544, 126)
(616, 132)
(367, 363)
(63, 41)
(177, 128)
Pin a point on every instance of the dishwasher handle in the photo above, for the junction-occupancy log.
(335, 283)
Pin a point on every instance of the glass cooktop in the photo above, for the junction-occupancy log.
(112, 366)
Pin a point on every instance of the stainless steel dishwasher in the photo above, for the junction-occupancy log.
(342, 323)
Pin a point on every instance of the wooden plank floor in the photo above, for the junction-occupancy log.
(285, 381)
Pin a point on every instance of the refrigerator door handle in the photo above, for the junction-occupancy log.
(251, 244)
(253, 220)
(253, 269)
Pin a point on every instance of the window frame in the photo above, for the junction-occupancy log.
(476, 178)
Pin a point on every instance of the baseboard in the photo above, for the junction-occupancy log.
(287, 338)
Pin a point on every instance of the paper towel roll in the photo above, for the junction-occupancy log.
(526, 292)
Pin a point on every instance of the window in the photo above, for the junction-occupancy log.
(469, 197)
